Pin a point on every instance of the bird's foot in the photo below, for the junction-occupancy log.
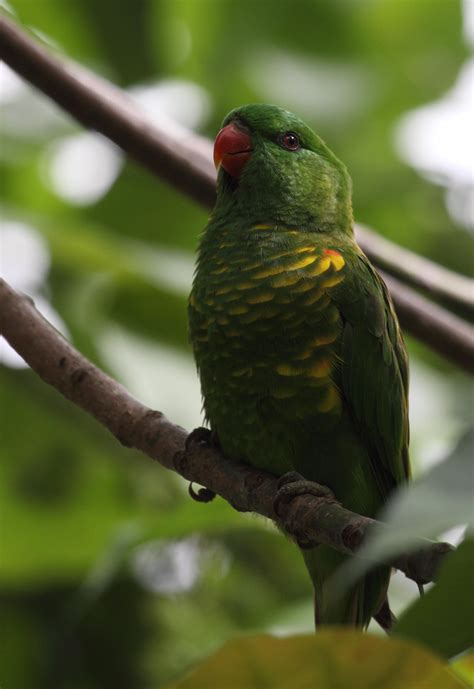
(385, 617)
(291, 485)
(201, 494)
(200, 436)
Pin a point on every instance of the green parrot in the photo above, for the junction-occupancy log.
(301, 360)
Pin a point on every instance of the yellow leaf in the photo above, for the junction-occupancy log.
(333, 659)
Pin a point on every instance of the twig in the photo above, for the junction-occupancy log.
(439, 329)
(178, 158)
(184, 160)
(309, 518)
(417, 271)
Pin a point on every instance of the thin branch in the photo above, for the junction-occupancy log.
(178, 157)
(183, 159)
(447, 334)
(309, 518)
(417, 271)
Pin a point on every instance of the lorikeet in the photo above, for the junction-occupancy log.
(300, 356)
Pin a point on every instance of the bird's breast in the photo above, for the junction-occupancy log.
(264, 317)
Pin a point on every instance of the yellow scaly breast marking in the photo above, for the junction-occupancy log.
(337, 261)
(305, 354)
(321, 369)
(276, 270)
(304, 286)
(288, 370)
(245, 285)
(220, 270)
(334, 315)
(224, 290)
(303, 262)
(321, 302)
(314, 343)
(286, 280)
(303, 249)
(321, 340)
(313, 297)
(334, 280)
(330, 401)
(260, 314)
(263, 226)
(248, 266)
(321, 266)
(293, 252)
(238, 310)
(260, 298)
(233, 297)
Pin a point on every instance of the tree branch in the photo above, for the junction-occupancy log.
(183, 159)
(179, 157)
(315, 520)
(417, 271)
(441, 330)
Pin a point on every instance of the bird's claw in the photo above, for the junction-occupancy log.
(202, 494)
(200, 436)
(291, 485)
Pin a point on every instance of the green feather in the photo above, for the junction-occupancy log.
(299, 352)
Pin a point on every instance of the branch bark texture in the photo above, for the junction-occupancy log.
(183, 159)
(309, 518)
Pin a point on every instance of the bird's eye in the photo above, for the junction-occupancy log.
(290, 141)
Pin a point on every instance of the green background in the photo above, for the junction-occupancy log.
(110, 575)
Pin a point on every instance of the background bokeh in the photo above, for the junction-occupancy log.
(110, 575)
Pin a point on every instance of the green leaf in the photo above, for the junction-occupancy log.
(437, 501)
(443, 619)
(335, 659)
(464, 667)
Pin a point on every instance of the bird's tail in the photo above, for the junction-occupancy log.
(358, 604)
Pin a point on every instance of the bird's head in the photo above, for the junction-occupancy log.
(272, 168)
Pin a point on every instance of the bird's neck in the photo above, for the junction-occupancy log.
(322, 205)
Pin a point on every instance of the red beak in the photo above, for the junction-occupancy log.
(232, 149)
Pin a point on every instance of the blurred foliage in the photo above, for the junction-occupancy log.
(439, 500)
(464, 667)
(329, 660)
(444, 618)
(91, 594)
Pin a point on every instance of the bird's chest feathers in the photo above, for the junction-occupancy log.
(264, 318)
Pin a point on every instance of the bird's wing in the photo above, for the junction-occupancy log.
(374, 372)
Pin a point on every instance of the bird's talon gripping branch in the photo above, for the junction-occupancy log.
(201, 436)
(198, 436)
(292, 484)
(201, 495)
